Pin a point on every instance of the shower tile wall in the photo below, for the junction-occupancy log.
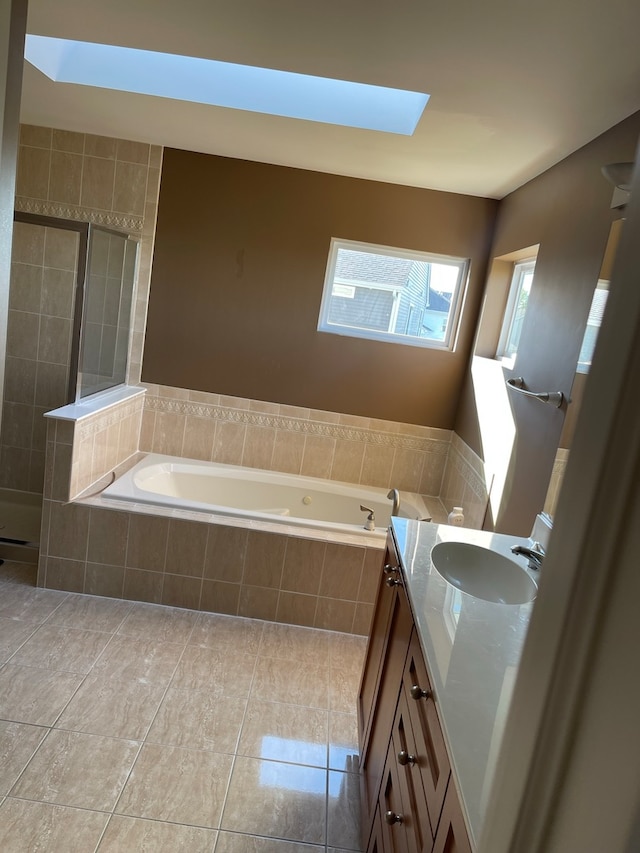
(110, 182)
(43, 266)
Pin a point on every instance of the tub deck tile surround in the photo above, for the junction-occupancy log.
(212, 734)
(174, 557)
(181, 559)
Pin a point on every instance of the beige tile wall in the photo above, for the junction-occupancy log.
(555, 484)
(314, 443)
(466, 483)
(98, 179)
(39, 327)
(81, 453)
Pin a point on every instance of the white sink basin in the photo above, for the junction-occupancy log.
(483, 573)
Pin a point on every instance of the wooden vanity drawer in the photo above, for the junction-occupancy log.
(430, 750)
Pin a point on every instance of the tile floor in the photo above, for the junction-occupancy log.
(137, 727)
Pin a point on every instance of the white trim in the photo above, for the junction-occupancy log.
(453, 318)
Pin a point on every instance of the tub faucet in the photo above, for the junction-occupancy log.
(394, 495)
(535, 555)
(370, 523)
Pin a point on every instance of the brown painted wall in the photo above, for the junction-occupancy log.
(241, 250)
(567, 211)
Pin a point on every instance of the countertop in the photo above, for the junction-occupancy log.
(472, 649)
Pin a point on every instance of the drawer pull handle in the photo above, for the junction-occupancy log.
(389, 569)
(392, 817)
(405, 758)
(418, 693)
(393, 582)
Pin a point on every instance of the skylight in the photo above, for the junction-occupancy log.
(225, 84)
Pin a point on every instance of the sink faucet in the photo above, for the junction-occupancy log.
(535, 555)
(394, 495)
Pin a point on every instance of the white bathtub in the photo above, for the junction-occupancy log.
(252, 493)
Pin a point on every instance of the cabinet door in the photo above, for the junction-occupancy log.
(393, 817)
(375, 840)
(402, 751)
(451, 836)
(431, 752)
(393, 652)
(378, 638)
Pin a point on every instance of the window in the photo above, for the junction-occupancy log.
(596, 312)
(389, 294)
(516, 308)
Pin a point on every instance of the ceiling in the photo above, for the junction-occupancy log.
(515, 86)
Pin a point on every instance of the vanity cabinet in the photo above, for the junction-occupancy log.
(408, 800)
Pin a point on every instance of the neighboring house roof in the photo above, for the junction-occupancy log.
(377, 269)
(381, 269)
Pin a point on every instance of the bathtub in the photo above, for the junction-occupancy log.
(231, 491)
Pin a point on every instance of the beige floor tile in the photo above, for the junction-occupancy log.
(32, 695)
(233, 633)
(177, 785)
(157, 622)
(287, 800)
(32, 605)
(112, 707)
(62, 648)
(343, 742)
(223, 673)
(291, 682)
(150, 661)
(45, 828)
(128, 834)
(343, 690)
(198, 719)
(71, 769)
(291, 642)
(348, 651)
(236, 842)
(91, 612)
(13, 633)
(18, 742)
(287, 733)
(343, 810)
(265, 690)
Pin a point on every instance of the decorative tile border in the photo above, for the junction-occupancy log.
(245, 417)
(462, 467)
(80, 214)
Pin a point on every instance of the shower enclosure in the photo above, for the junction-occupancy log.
(70, 301)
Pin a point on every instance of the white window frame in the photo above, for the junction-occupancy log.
(457, 299)
(520, 269)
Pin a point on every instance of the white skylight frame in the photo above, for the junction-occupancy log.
(226, 84)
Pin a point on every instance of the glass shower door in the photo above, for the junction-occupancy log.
(106, 314)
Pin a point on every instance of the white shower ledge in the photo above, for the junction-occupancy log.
(96, 403)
